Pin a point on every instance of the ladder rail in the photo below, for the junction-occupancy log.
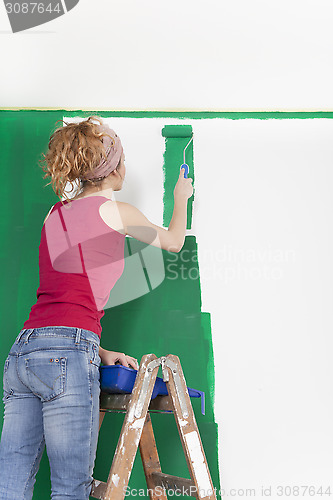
(130, 434)
(188, 430)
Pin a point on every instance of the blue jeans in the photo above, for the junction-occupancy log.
(51, 396)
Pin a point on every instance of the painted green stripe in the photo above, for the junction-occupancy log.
(189, 332)
(173, 159)
(197, 115)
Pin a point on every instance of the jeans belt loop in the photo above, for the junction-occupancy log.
(28, 335)
(78, 336)
(20, 335)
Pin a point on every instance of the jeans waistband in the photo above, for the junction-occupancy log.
(58, 331)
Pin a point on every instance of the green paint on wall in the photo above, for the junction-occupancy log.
(190, 330)
(195, 115)
(175, 142)
(25, 203)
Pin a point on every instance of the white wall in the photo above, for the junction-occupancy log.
(264, 206)
(263, 194)
(217, 54)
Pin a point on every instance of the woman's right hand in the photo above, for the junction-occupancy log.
(113, 357)
(183, 188)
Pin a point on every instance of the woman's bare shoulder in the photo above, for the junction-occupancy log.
(113, 215)
(129, 215)
(123, 204)
(125, 209)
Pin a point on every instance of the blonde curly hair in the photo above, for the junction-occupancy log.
(73, 151)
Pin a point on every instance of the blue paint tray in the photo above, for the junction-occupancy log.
(119, 379)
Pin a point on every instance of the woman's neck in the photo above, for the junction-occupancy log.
(107, 193)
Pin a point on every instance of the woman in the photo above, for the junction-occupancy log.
(51, 375)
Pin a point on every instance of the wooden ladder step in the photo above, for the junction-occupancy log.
(98, 489)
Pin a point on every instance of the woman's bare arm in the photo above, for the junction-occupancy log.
(139, 227)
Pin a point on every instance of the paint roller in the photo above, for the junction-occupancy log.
(176, 131)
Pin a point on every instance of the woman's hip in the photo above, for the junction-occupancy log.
(53, 361)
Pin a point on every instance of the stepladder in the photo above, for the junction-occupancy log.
(137, 431)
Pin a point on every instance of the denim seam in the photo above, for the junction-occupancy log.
(32, 468)
(52, 348)
(91, 408)
(51, 335)
(91, 430)
(89, 375)
(18, 375)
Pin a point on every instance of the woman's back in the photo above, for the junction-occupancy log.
(109, 212)
(80, 259)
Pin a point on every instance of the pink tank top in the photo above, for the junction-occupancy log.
(80, 260)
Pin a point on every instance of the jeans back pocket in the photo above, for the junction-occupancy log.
(46, 376)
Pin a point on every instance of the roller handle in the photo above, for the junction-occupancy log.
(185, 167)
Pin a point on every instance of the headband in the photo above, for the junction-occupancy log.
(113, 149)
